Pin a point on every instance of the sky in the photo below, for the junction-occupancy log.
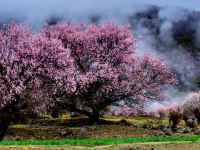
(189, 4)
(36, 11)
(55, 4)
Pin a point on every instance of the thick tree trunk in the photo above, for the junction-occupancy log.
(197, 116)
(5, 121)
(174, 127)
(175, 122)
(55, 114)
(198, 121)
(94, 117)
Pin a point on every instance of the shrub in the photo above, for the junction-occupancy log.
(192, 104)
(175, 113)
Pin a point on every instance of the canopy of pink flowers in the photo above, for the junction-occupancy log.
(94, 66)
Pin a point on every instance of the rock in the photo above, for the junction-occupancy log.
(174, 129)
(161, 127)
(93, 127)
(65, 133)
(197, 132)
(155, 128)
(81, 134)
(124, 122)
(179, 128)
(165, 129)
(158, 134)
(83, 129)
(194, 129)
(187, 130)
(18, 138)
(116, 136)
(191, 124)
(9, 138)
(168, 132)
(43, 137)
(137, 126)
(32, 139)
(74, 114)
(145, 126)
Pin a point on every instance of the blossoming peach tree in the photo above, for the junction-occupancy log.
(126, 112)
(107, 68)
(31, 67)
(83, 68)
(192, 105)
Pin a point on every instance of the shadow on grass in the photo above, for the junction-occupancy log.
(85, 122)
(79, 122)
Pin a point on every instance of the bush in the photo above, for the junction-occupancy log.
(175, 116)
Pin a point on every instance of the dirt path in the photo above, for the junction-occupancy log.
(138, 146)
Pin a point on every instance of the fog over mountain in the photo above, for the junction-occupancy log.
(169, 29)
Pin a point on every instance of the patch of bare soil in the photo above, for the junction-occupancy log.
(95, 132)
(138, 146)
(79, 128)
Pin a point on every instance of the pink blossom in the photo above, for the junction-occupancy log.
(87, 68)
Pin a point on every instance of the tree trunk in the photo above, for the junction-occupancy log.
(55, 113)
(175, 120)
(94, 117)
(197, 116)
(174, 127)
(5, 121)
(198, 121)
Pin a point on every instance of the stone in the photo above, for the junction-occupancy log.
(9, 138)
(65, 133)
(187, 130)
(43, 137)
(197, 132)
(194, 129)
(124, 122)
(161, 127)
(174, 129)
(155, 128)
(146, 126)
(158, 134)
(18, 138)
(168, 132)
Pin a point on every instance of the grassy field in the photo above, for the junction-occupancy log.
(177, 143)
(46, 134)
(45, 129)
(143, 120)
(108, 141)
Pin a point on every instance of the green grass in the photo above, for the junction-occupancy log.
(107, 141)
(140, 120)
